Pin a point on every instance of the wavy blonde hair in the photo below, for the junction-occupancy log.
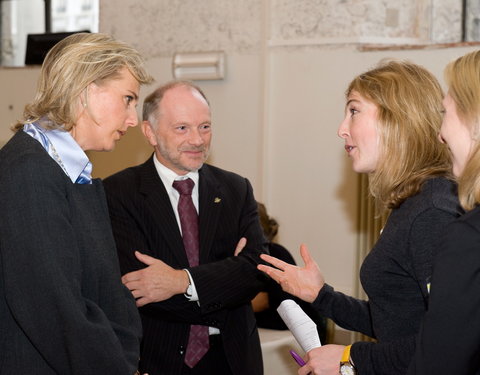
(409, 102)
(69, 67)
(463, 80)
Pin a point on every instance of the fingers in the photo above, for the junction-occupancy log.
(277, 273)
(307, 258)
(280, 264)
(144, 258)
(142, 301)
(241, 244)
(139, 294)
(270, 271)
(305, 370)
(131, 276)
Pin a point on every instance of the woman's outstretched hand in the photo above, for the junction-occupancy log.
(303, 282)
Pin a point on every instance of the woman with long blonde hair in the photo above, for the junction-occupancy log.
(392, 119)
(450, 338)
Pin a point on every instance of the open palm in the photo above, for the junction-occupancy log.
(303, 282)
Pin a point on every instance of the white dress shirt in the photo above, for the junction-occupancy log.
(168, 177)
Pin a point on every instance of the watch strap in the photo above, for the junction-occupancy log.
(346, 354)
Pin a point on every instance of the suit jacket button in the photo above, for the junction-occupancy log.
(181, 349)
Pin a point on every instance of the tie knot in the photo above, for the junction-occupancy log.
(184, 187)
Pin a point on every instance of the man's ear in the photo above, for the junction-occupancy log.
(149, 133)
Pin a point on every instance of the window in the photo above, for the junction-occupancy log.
(73, 15)
(18, 18)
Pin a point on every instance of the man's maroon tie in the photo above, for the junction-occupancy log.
(198, 340)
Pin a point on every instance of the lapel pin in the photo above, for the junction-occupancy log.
(217, 200)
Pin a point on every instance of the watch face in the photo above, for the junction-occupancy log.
(347, 369)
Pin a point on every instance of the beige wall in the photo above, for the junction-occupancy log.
(283, 139)
(17, 87)
(310, 186)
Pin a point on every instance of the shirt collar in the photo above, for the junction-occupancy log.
(71, 158)
(168, 176)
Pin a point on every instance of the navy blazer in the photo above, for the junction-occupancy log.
(63, 308)
(143, 219)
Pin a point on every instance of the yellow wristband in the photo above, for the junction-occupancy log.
(346, 354)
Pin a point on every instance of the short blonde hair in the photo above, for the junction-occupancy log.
(69, 67)
(409, 102)
(463, 80)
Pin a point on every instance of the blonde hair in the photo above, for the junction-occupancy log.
(463, 80)
(409, 102)
(69, 67)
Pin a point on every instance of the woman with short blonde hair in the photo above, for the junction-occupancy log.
(70, 66)
(63, 307)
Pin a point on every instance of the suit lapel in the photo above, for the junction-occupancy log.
(210, 206)
(158, 204)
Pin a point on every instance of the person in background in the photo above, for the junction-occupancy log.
(449, 341)
(63, 307)
(265, 303)
(392, 118)
(177, 222)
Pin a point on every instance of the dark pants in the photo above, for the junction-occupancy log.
(212, 363)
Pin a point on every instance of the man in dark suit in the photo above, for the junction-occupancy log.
(196, 314)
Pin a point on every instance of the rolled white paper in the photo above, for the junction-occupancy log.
(300, 324)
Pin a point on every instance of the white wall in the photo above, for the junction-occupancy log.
(275, 115)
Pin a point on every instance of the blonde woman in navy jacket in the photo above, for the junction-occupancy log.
(63, 307)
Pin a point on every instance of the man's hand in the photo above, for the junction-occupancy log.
(303, 282)
(158, 282)
(240, 245)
